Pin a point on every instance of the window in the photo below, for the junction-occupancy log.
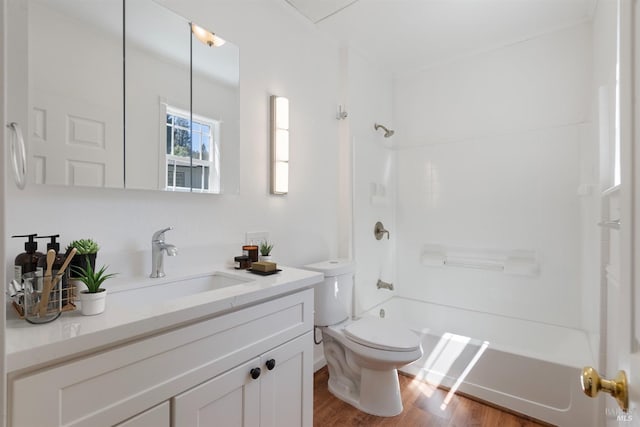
(193, 152)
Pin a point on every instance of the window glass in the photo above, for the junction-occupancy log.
(196, 144)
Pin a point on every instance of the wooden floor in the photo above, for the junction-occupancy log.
(423, 406)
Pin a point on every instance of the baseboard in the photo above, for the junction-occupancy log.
(319, 363)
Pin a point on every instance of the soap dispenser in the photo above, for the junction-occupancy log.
(27, 261)
(53, 244)
(56, 266)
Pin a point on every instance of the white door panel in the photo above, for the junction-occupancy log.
(622, 244)
(74, 142)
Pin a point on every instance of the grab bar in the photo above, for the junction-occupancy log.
(384, 285)
(615, 224)
(477, 265)
(515, 262)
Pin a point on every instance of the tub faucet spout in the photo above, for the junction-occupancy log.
(384, 285)
(158, 247)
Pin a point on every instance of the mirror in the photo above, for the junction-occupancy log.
(181, 104)
(75, 93)
(216, 97)
(170, 123)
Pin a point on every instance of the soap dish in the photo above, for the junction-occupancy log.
(264, 273)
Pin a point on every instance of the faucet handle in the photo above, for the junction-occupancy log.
(380, 231)
(159, 235)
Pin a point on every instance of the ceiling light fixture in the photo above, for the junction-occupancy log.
(206, 37)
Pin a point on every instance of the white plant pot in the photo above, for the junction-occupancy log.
(92, 304)
(266, 258)
(78, 284)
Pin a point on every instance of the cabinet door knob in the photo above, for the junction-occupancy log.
(255, 373)
(271, 363)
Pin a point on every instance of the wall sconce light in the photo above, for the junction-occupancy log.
(207, 37)
(279, 145)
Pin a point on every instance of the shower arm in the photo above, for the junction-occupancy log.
(387, 132)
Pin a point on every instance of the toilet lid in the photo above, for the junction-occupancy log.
(382, 334)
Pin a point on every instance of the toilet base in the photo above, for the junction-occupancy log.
(379, 393)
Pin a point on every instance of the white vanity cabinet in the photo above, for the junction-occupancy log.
(201, 369)
(286, 390)
(253, 394)
(154, 417)
(230, 399)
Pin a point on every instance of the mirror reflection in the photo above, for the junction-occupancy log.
(75, 93)
(182, 123)
(166, 120)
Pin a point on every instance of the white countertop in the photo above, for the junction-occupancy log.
(30, 346)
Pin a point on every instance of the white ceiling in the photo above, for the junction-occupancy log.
(404, 35)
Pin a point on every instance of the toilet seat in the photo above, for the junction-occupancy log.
(382, 335)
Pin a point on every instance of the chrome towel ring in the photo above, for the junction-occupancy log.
(18, 153)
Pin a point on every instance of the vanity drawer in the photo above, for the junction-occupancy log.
(111, 386)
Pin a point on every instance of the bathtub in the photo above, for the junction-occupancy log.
(528, 367)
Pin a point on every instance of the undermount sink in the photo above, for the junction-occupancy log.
(150, 293)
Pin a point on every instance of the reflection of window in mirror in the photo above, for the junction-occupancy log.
(192, 164)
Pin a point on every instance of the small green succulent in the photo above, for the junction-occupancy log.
(93, 279)
(84, 246)
(265, 248)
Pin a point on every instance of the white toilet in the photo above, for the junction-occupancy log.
(362, 355)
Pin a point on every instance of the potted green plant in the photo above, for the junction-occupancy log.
(265, 250)
(93, 299)
(87, 251)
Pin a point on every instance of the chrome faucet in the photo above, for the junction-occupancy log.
(157, 257)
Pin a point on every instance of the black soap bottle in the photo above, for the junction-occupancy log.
(57, 262)
(27, 261)
(53, 244)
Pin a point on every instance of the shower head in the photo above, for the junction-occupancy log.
(387, 132)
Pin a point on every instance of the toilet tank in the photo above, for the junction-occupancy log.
(333, 296)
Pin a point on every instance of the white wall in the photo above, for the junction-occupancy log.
(489, 158)
(281, 53)
(538, 83)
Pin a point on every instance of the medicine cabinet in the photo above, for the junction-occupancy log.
(122, 95)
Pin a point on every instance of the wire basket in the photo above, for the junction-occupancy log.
(35, 305)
